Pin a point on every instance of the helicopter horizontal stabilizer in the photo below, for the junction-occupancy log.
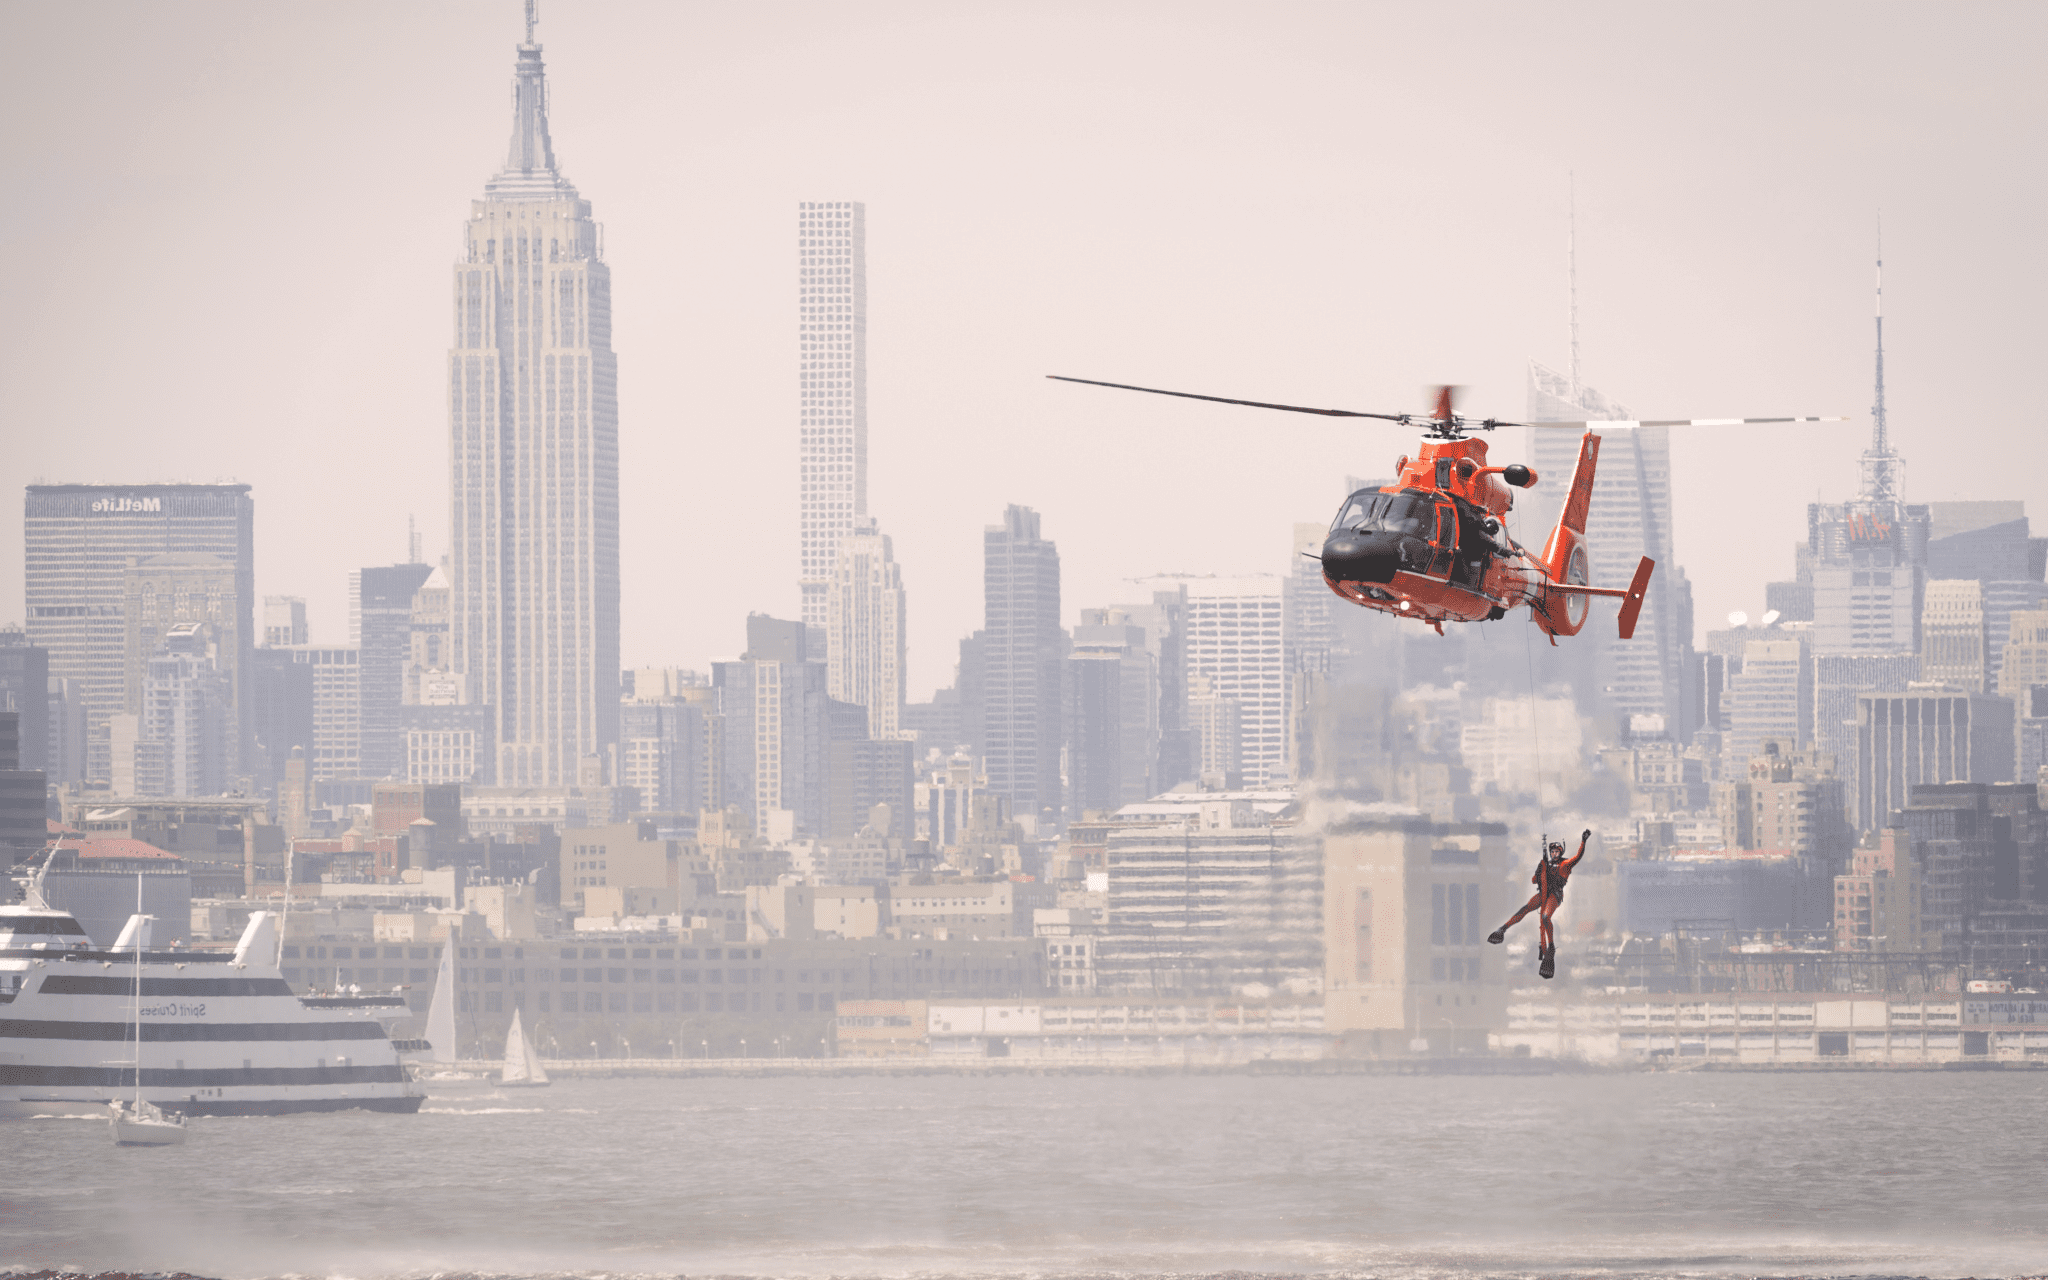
(1631, 599)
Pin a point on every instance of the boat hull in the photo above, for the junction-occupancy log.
(132, 1133)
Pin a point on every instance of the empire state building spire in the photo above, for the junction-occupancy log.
(530, 172)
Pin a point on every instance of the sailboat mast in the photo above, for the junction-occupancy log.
(138, 992)
(285, 921)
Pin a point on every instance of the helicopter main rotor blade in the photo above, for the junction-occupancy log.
(1624, 424)
(1254, 404)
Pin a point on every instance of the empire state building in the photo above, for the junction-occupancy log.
(534, 448)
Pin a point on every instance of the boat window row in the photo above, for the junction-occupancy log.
(606, 1002)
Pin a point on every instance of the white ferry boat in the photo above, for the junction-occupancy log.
(223, 1031)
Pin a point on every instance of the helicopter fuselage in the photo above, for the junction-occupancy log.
(1433, 545)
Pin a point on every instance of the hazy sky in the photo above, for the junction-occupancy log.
(231, 230)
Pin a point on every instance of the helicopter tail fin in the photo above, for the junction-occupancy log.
(1565, 556)
(1580, 500)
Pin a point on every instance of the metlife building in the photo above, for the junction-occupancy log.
(83, 543)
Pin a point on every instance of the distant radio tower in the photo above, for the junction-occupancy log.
(1572, 271)
(1881, 467)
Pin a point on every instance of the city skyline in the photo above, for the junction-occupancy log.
(1088, 280)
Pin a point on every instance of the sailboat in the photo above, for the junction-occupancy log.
(441, 1018)
(522, 1065)
(136, 1122)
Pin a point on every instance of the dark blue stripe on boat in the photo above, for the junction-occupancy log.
(160, 1032)
(48, 1077)
(70, 984)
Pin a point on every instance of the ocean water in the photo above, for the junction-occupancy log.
(1042, 1177)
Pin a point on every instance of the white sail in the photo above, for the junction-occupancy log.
(522, 1064)
(441, 1012)
(514, 1070)
(535, 1073)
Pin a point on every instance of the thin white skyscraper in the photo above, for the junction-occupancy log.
(832, 391)
(864, 626)
(534, 558)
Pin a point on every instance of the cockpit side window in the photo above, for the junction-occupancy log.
(1399, 513)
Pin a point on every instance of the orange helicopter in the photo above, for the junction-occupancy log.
(1432, 546)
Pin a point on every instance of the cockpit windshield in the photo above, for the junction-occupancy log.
(1370, 512)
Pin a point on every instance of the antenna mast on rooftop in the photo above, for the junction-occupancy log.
(1881, 467)
(1572, 269)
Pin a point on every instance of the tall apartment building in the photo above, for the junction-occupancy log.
(865, 627)
(662, 746)
(832, 391)
(1022, 650)
(775, 721)
(1237, 642)
(1112, 715)
(80, 542)
(383, 603)
(532, 381)
(1176, 749)
(1631, 517)
(281, 694)
(337, 709)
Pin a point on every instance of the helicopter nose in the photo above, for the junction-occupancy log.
(1360, 557)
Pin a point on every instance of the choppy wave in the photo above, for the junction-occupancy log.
(1061, 1178)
